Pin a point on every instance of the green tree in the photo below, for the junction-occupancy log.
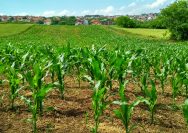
(55, 21)
(126, 22)
(11, 19)
(40, 22)
(175, 18)
(71, 20)
(152, 24)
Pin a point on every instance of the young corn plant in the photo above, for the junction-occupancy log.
(34, 103)
(77, 60)
(60, 69)
(124, 113)
(185, 111)
(35, 80)
(151, 99)
(162, 76)
(98, 80)
(185, 82)
(39, 91)
(2, 70)
(176, 82)
(144, 82)
(14, 79)
(185, 79)
(99, 104)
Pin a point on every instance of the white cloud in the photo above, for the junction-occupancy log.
(106, 11)
(122, 8)
(65, 12)
(22, 14)
(85, 12)
(1, 14)
(48, 13)
(157, 3)
(134, 8)
(58, 13)
(133, 4)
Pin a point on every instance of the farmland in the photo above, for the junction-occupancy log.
(11, 29)
(153, 33)
(91, 78)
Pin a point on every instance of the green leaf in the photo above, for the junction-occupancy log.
(153, 91)
(185, 110)
(185, 81)
(44, 91)
(118, 113)
(27, 101)
(136, 102)
(89, 79)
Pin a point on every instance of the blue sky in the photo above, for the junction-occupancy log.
(80, 7)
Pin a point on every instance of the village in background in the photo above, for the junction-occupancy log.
(73, 20)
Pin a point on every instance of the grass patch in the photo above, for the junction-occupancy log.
(152, 33)
(11, 29)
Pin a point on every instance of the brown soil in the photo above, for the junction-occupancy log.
(69, 115)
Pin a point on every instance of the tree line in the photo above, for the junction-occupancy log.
(174, 18)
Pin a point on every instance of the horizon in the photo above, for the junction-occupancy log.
(76, 16)
(49, 8)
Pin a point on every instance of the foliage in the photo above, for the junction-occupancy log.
(63, 20)
(151, 96)
(126, 22)
(185, 111)
(175, 18)
(126, 110)
(39, 63)
(40, 22)
(156, 23)
(98, 78)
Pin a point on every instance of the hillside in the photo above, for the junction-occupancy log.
(77, 35)
(12, 29)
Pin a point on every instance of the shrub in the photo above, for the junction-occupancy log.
(126, 22)
(175, 18)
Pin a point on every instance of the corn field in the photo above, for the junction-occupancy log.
(32, 72)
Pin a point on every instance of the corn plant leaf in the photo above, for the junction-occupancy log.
(27, 101)
(136, 102)
(118, 113)
(185, 81)
(153, 92)
(185, 110)
(44, 91)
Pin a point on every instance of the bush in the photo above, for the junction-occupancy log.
(153, 24)
(125, 22)
(175, 18)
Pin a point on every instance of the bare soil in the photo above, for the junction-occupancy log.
(74, 113)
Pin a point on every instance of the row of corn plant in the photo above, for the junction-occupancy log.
(27, 68)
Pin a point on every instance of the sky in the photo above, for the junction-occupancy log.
(81, 7)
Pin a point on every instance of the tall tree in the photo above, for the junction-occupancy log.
(175, 18)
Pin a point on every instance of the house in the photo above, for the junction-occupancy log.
(82, 22)
(106, 22)
(48, 21)
(93, 16)
(25, 19)
(95, 22)
(4, 18)
(18, 18)
(86, 22)
(79, 22)
(36, 19)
